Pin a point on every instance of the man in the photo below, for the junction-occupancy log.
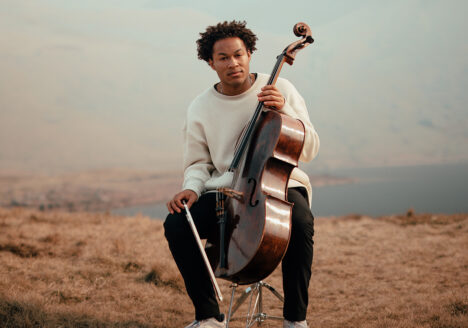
(214, 121)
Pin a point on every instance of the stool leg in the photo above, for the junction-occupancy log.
(233, 286)
(255, 313)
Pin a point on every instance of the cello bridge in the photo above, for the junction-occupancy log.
(237, 195)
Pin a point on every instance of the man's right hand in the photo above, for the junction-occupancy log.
(175, 205)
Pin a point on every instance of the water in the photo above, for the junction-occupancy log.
(383, 191)
(378, 191)
(157, 211)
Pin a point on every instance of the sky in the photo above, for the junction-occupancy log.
(99, 83)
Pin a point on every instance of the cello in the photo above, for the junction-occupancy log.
(254, 214)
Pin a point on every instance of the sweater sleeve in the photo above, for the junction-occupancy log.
(197, 160)
(295, 107)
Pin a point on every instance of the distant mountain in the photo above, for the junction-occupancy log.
(80, 89)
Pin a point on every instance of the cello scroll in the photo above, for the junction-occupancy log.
(300, 29)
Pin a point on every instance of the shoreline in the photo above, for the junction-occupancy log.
(373, 191)
(100, 190)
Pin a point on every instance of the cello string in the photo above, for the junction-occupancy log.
(239, 151)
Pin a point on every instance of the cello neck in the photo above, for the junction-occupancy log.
(251, 125)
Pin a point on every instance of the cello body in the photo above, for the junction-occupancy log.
(259, 227)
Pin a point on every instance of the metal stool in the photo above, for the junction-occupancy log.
(255, 314)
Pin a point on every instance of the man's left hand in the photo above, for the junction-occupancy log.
(271, 97)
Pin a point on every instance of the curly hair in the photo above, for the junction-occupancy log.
(222, 31)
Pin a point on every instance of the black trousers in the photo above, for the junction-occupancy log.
(296, 264)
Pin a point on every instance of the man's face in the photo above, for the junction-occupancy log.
(231, 61)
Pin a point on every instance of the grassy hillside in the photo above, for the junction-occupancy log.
(61, 269)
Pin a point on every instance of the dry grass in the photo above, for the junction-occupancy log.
(94, 270)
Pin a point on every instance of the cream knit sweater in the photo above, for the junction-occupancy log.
(213, 125)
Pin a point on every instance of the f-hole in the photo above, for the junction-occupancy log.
(251, 201)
